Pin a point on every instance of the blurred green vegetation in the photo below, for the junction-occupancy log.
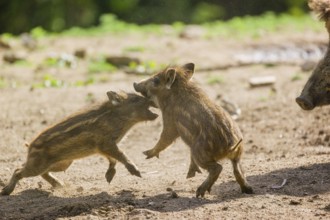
(100, 65)
(215, 79)
(17, 16)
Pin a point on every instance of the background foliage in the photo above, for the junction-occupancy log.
(17, 16)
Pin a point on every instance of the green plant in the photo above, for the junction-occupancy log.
(50, 62)
(24, 63)
(134, 49)
(215, 79)
(3, 83)
(38, 32)
(263, 98)
(145, 68)
(49, 81)
(100, 65)
(90, 97)
(89, 81)
(257, 26)
(296, 77)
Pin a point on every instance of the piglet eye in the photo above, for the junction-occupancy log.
(156, 81)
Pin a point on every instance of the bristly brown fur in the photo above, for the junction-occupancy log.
(206, 128)
(321, 8)
(94, 131)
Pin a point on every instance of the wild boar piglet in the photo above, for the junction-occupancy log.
(94, 131)
(206, 128)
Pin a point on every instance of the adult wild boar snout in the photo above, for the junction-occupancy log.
(305, 102)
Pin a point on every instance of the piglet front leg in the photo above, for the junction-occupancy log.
(166, 139)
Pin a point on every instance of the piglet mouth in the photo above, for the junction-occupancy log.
(151, 116)
(138, 88)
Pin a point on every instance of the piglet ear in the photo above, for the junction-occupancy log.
(189, 69)
(113, 97)
(170, 77)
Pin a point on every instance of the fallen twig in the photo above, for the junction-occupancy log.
(279, 186)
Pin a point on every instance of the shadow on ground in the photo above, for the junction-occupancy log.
(37, 204)
(300, 181)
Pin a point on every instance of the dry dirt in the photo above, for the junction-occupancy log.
(283, 144)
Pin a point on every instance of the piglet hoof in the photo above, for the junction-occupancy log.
(200, 192)
(150, 154)
(192, 172)
(58, 185)
(110, 174)
(133, 170)
(247, 190)
(5, 191)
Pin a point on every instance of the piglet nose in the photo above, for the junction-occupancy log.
(305, 103)
(138, 87)
(135, 85)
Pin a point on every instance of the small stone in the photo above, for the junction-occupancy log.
(294, 202)
(12, 58)
(80, 53)
(120, 61)
(174, 195)
(80, 189)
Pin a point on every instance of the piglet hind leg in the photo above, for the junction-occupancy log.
(9, 188)
(240, 178)
(112, 151)
(57, 167)
(214, 172)
(214, 169)
(52, 180)
(111, 170)
(193, 168)
(31, 168)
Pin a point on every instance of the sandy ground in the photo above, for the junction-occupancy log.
(283, 144)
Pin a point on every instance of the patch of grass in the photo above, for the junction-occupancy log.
(100, 65)
(263, 98)
(258, 26)
(6, 37)
(49, 81)
(145, 68)
(62, 60)
(104, 79)
(23, 63)
(38, 32)
(134, 49)
(50, 62)
(90, 97)
(89, 81)
(3, 83)
(108, 24)
(215, 79)
(297, 76)
(238, 27)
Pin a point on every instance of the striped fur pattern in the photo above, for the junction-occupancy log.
(93, 131)
(206, 128)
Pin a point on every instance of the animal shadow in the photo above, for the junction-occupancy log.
(300, 181)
